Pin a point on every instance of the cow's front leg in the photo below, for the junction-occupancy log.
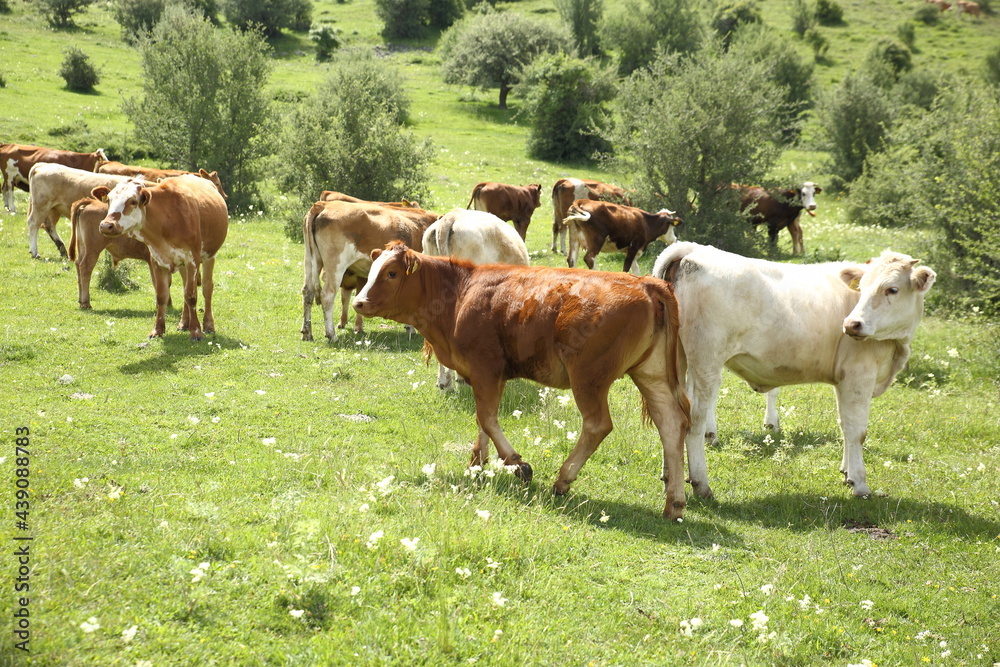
(854, 403)
(771, 420)
(487, 393)
(161, 285)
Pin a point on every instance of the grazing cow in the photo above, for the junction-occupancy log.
(564, 328)
(774, 324)
(599, 225)
(156, 175)
(338, 238)
(87, 242)
(54, 188)
(508, 202)
(971, 8)
(183, 221)
(779, 209)
(333, 195)
(476, 236)
(944, 5)
(16, 161)
(568, 190)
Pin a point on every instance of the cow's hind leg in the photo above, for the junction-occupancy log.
(592, 401)
(672, 423)
(487, 393)
(50, 228)
(771, 420)
(703, 390)
(85, 263)
(190, 275)
(207, 287)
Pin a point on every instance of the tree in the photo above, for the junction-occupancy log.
(78, 72)
(203, 102)
(564, 101)
(731, 15)
(685, 128)
(350, 137)
(642, 31)
(489, 50)
(60, 13)
(583, 18)
(269, 16)
(138, 17)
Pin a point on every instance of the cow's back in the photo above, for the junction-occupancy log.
(200, 201)
(54, 186)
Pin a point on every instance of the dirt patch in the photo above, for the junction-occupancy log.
(873, 531)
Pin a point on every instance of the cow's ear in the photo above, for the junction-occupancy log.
(375, 253)
(203, 173)
(851, 275)
(923, 278)
(100, 193)
(676, 222)
(817, 189)
(412, 263)
(144, 196)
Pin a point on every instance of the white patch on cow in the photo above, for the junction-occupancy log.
(8, 194)
(580, 190)
(373, 275)
(119, 199)
(891, 301)
(808, 194)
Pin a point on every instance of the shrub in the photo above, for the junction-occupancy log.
(490, 49)
(564, 101)
(907, 34)
(4, 7)
(350, 137)
(60, 13)
(927, 14)
(803, 17)
(3, 81)
(730, 16)
(137, 18)
(269, 16)
(203, 100)
(829, 12)
(643, 30)
(686, 126)
(819, 44)
(991, 67)
(327, 40)
(583, 18)
(917, 88)
(443, 13)
(78, 72)
(402, 19)
(894, 53)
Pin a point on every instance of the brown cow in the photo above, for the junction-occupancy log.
(339, 236)
(971, 8)
(16, 161)
(333, 195)
(86, 243)
(944, 5)
(154, 175)
(564, 328)
(508, 202)
(599, 225)
(183, 221)
(568, 190)
(779, 209)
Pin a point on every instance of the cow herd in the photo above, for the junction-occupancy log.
(463, 281)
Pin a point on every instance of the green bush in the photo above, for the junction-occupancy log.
(829, 12)
(327, 40)
(403, 19)
(269, 16)
(564, 102)
(890, 51)
(4, 7)
(78, 72)
(907, 34)
(819, 44)
(803, 17)
(928, 14)
(641, 31)
(137, 17)
(729, 16)
(583, 18)
(991, 67)
(918, 88)
(60, 13)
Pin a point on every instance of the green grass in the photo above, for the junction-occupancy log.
(270, 459)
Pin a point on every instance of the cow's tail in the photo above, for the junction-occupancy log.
(668, 321)
(438, 241)
(475, 195)
(74, 220)
(665, 267)
(313, 262)
(575, 214)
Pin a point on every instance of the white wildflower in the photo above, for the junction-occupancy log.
(498, 599)
(410, 543)
(760, 620)
(736, 623)
(483, 514)
(767, 589)
(90, 625)
(517, 414)
(297, 613)
(129, 633)
(463, 572)
(429, 469)
(374, 538)
(867, 605)
(355, 590)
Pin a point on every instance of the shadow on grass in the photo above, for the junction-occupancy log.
(177, 345)
(122, 313)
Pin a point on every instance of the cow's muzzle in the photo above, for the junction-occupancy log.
(855, 329)
(110, 228)
(363, 307)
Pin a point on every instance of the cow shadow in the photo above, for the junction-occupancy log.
(121, 313)
(395, 339)
(177, 345)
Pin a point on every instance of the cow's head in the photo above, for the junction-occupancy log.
(214, 178)
(536, 194)
(125, 206)
(382, 295)
(808, 193)
(891, 300)
(673, 222)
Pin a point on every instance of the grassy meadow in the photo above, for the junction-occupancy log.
(258, 500)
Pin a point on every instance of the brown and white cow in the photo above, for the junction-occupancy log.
(943, 5)
(476, 236)
(779, 209)
(970, 8)
(775, 324)
(86, 244)
(338, 237)
(154, 175)
(16, 161)
(598, 225)
(54, 188)
(568, 190)
(508, 202)
(564, 328)
(183, 221)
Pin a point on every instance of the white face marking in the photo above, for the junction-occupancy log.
(808, 193)
(373, 274)
(124, 194)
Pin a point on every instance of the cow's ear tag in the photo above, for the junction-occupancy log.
(855, 284)
(413, 267)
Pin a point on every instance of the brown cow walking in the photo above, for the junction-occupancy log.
(563, 328)
(508, 202)
(598, 225)
(568, 190)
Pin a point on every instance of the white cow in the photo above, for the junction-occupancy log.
(53, 189)
(481, 238)
(849, 325)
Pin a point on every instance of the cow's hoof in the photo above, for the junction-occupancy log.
(860, 490)
(84, 306)
(196, 338)
(342, 325)
(523, 471)
(701, 488)
(673, 511)
(156, 334)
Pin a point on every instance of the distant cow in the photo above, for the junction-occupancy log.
(155, 175)
(479, 237)
(565, 328)
(16, 161)
(338, 238)
(568, 190)
(598, 225)
(183, 221)
(779, 209)
(944, 5)
(508, 202)
(774, 324)
(971, 8)
(54, 188)
(333, 195)
(86, 244)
